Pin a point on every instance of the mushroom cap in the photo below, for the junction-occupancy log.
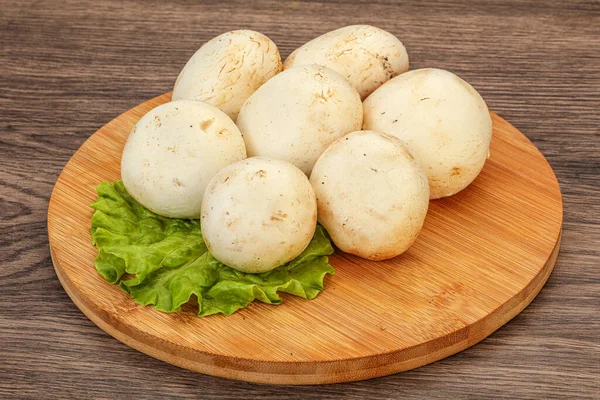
(174, 151)
(372, 194)
(258, 214)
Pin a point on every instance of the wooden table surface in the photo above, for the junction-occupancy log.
(66, 68)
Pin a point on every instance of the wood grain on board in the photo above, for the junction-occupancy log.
(482, 256)
(69, 67)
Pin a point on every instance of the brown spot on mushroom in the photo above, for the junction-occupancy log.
(323, 96)
(278, 216)
(177, 182)
(455, 171)
(204, 125)
(261, 173)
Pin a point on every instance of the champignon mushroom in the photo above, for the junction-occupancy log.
(372, 194)
(442, 119)
(258, 214)
(174, 151)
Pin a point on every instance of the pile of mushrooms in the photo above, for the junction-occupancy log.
(340, 133)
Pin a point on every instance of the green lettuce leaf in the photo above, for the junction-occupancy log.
(164, 261)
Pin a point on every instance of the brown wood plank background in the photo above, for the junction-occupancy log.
(66, 68)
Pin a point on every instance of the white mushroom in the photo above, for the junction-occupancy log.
(226, 70)
(174, 151)
(442, 119)
(298, 113)
(372, 195)
(365, 55)
(258, 214)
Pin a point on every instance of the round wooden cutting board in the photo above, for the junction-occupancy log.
(481, 258)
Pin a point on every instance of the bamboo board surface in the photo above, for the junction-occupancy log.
(481, 258)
